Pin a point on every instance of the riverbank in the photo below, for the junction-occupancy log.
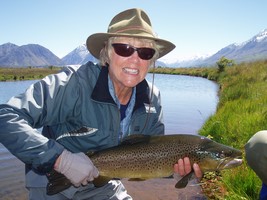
(29, 73)
(241, 112)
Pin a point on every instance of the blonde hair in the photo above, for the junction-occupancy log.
(104, 55)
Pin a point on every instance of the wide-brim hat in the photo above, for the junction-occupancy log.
(129, 23)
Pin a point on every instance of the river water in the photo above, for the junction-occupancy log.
(187, 103)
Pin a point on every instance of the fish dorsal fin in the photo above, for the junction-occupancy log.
(184, 181)
(136, 138)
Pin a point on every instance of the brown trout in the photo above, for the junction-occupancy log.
(144, 157)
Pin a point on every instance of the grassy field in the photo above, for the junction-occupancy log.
(30, 73)
(241, 112)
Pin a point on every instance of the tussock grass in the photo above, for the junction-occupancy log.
(241, 112)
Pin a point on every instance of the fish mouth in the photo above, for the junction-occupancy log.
(228, 163)
(233, 163)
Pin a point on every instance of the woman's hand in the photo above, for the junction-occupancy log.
(183, 167)
(77, 167)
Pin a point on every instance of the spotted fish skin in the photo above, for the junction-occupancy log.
(146, 157)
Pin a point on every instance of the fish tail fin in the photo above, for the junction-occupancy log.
(101, 181)
(57, 182)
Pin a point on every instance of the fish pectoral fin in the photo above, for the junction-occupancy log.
(101, 181)
(184, 181)
(136, 179)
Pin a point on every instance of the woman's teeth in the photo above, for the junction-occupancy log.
(130, 71)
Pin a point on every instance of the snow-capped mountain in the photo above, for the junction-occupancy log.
(177, 61)
(78, 56)
(260, 37)
(250, 50)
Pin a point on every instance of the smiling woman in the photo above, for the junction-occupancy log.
(126, 70)
(59, 104)
(180, 115)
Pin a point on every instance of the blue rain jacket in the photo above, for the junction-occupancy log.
(75, 111)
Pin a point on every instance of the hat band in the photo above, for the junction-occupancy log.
(133, 28)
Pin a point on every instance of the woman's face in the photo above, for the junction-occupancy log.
(127, 72)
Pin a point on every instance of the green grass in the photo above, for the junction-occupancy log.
(241, 183)
(30, 73)
(241, 112)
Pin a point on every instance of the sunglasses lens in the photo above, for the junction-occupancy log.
(123, 49)
(146, 53)
(126, 50)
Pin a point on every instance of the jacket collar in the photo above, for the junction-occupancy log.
(101, 91)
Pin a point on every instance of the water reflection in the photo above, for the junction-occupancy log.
(187, 101)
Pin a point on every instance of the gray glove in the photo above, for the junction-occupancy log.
(77, 167)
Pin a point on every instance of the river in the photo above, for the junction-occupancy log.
(187, 103)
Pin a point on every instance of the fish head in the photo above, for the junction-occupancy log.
(216, 156)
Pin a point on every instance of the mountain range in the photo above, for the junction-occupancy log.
(12, 55)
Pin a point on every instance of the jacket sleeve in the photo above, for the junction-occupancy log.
(22, 115)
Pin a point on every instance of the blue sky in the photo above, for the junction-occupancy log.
(195, 27)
